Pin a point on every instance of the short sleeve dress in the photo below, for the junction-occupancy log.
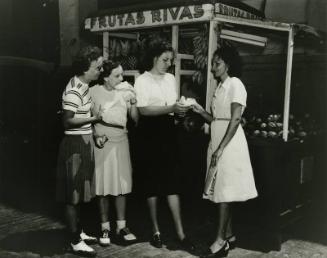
(157, 136)
(113, 169)
(234, 180)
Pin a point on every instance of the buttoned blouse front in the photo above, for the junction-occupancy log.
(230, 91)
(155, 90)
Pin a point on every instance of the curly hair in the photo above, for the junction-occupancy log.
(232, 58)
(84, 58)
(155, 48)
(108, 66)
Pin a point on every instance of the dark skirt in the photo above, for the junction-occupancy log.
(158, 156)
(75, 169)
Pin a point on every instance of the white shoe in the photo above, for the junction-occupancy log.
(104, 240)
(83, 249)
(88, 239)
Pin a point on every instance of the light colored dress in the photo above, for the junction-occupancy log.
(113, 170)
(234, 178)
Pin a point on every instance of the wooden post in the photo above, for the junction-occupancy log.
(210, 79)
(174, 43)
(71, 17)
(287, 95)
(105, 44)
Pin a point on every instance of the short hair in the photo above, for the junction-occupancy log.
(84, 58)
(155, 48)
(231, 57)
(108, 66)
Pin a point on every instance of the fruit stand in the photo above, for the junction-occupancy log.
(280, 144)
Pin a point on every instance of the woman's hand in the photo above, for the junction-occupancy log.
(180, 109)
(197, 108)
(100, 141)
(215, 156)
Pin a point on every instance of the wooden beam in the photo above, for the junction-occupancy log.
(279, 26)
(174, 42)
(185, 56)
(287, 95)
(187, 72)
(105, 45)
(211, 83)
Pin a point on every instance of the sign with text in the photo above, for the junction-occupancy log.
(234, 12)
(167, 16)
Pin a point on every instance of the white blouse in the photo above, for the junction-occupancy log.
(230, 91)
(155, 90)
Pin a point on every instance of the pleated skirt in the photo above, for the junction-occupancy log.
(75, 169)
(113, 168)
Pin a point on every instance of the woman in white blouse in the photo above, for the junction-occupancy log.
(156, 95)
(229, 176)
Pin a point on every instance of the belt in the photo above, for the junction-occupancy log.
(112, 125)
(221, 119)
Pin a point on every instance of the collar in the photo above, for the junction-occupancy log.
(225, 83)
(77, 81)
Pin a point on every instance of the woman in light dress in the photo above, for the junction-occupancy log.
(113, 170)
(229, 175)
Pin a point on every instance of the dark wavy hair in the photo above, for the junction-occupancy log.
(232, 58)
(108, 66)
(84, 58)
(155, 48)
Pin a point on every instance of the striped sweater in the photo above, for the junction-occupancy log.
(76, 98)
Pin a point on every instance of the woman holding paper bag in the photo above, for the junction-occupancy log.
(156, 100)
(229, 176)
(113, 169)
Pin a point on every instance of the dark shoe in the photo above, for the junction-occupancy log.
(222, 252)
(232, 242)
(156, 241)
(82, 249)
(125, 237)
(187, 245)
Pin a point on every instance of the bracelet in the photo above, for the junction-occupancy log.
(133, 101)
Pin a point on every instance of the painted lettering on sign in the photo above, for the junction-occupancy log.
(234, 12)
(181, 14)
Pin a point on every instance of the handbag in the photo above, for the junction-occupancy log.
(210, 180)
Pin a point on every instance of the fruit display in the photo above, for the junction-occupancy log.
(127, 51)
(200, 52)
(271, 127)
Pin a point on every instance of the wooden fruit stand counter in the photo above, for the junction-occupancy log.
(201, 27)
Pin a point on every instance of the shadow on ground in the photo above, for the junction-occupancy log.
(43, 242)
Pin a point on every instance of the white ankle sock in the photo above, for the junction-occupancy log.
(105, 225)
(120, 225)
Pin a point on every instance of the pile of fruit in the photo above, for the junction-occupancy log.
(271, 126)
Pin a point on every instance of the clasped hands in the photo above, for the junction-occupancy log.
(100, 141)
